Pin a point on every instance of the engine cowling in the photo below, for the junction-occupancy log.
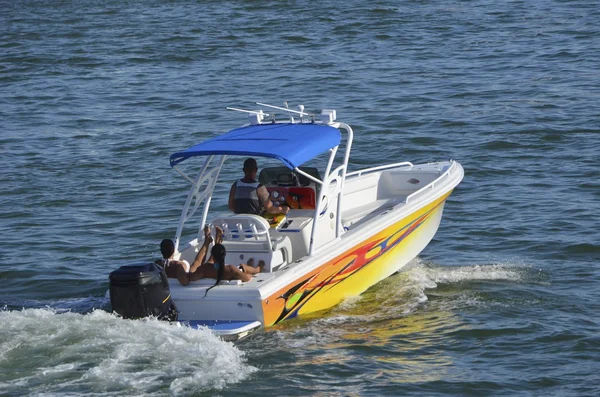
(141, 290)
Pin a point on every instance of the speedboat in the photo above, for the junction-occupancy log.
(345, 231)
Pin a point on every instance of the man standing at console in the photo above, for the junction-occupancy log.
(247, 196)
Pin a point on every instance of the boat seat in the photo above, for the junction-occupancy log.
(251, 230)
(249, 234)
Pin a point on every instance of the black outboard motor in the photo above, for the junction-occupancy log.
(141, 291)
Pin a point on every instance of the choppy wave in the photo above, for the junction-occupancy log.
(96, 98)
(43, 351)
(80, 305)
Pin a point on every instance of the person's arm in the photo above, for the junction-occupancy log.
(270, 208)
(231, 202)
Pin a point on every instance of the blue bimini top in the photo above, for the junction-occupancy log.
(292, 144)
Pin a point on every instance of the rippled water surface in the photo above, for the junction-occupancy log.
(94, 97)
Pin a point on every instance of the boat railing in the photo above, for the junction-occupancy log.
(433, 183)
(379, 168)
(244, 227)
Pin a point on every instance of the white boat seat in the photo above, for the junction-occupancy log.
(248, 234)
(251, 230)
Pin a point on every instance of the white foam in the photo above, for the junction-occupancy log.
(50, 352)
(430, 276)
(350, 302)
(400, 296)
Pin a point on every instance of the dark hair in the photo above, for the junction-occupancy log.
(250, 165)
(167, 248)
(218, 253)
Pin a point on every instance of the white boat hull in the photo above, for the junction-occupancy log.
(376, 244)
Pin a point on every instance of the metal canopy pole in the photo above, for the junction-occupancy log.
(193, 191)
(212, 183)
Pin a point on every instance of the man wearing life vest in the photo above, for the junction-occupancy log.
(247, 196)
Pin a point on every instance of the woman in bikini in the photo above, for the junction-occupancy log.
(216, 268)
(180, 269)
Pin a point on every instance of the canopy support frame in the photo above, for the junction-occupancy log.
(210, 175)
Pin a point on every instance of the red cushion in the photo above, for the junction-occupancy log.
(295, 197)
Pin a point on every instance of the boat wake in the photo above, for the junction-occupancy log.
(430, 275)
(49, 351)
(422, 293)
(404, 292)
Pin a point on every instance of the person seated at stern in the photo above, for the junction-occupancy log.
(179, 269)
(248, 196)
(214, 267)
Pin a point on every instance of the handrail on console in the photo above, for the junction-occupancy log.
(379, 168)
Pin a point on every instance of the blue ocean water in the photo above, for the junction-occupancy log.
(94, 97)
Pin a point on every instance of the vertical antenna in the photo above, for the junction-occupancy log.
(288, 110)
